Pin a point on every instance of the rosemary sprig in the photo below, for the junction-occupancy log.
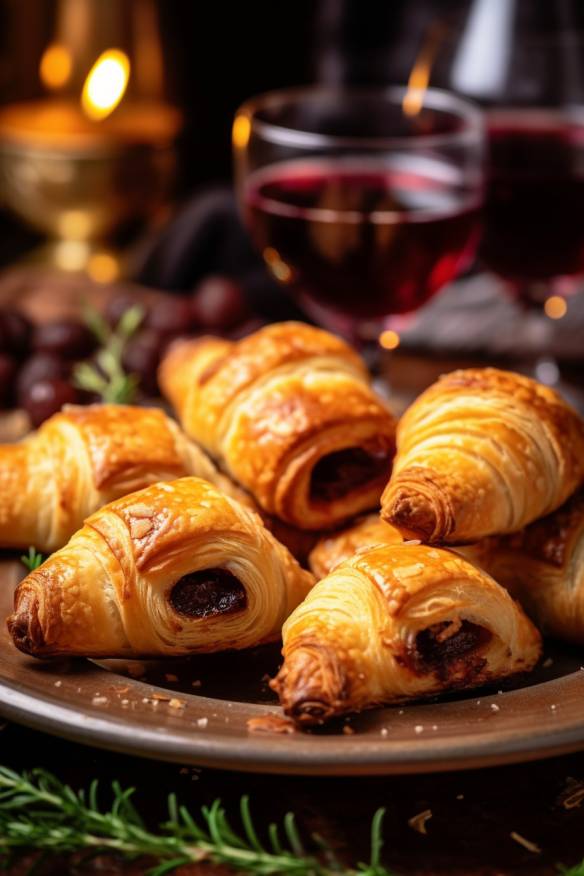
(33, 559)
(578, 870)
(106, 377)
(37, 811)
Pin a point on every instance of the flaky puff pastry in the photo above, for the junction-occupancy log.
(174, 569)
(84, 457)
(482, 452)
(336, 547)
(288, 412)
(543, 567)
(399, 622)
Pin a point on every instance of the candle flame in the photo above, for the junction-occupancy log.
(241, 131)
(55, 66)
(106, 84)
(420, 76)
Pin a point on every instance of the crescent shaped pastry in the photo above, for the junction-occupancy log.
(289, 414)
(337, 547)
(399, 622)
(543, 567)
(482, 452)
(84, 457)
(177, 568)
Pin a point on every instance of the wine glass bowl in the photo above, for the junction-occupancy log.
(533, 220)
(364, 202)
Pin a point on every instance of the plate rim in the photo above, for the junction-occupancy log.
(271, 754)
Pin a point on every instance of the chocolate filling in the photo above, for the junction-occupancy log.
(435, 649)
(338, 473)
(207, 593)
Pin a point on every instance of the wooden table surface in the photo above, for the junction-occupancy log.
(469, 834)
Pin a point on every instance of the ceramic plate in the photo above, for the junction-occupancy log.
(196, 711)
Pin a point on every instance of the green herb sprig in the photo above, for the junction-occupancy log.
(107, 377)
(37, 811)
(33, 559)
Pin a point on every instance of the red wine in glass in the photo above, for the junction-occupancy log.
(363, 237)
(534, 205)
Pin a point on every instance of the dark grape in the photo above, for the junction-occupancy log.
(141, 357)
(170, 316)
(41, 366)
(15, 333)
(65, 338)
(117, 306)
(7, 375)
(219, 304)
(45, 398)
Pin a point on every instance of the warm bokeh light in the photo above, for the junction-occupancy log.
(389, 340)
(103, 267)
(555, 307)
(55, 66)
(417, 84)
(241, 131)
(420, 76)
(277, 266)
(106, 83)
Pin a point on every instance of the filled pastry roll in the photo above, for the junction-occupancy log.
(482, 452)
(174, 569)
(543, 567)
(287, 412)
(84, 457)
(397, 622)
(337, 547)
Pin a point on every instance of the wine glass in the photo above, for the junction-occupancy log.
(524, 63)
(363, 202)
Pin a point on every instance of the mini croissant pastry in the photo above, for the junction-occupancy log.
(482, 452)
(84, 457)
(543, 567)
(174, 569)
(397, 622)
(288, 413)
(336, 547)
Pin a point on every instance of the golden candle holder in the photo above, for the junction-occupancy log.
(96, 154)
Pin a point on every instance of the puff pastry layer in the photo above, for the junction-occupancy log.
(84, 457)
(482, 452)
(543, 567)
(397, 622)
(289, 414)
(339, 546)
(174, 569)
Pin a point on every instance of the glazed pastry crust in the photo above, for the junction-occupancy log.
(270, 406)
(107, 592)
(543, 567)
(482, 452)
(84, 457)
(356, 640)
(337, 547)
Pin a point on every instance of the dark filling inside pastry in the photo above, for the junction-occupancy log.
(207, 593)
(338, 473)
(443, 644)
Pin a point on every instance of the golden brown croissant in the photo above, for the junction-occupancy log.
(176, 568)
(482, 452)
(396, 622)
(337, 547)
(84, 457)
(288, 412)
(543, 567)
